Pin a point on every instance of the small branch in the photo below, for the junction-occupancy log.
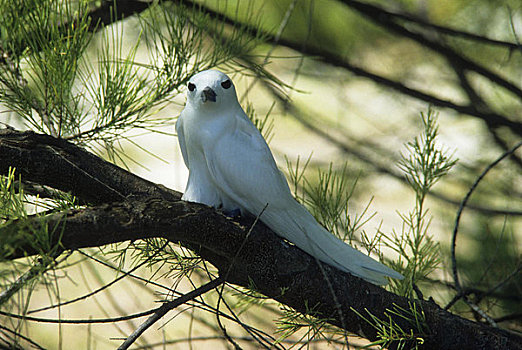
(77, 321)
(480, 104)
(98, 290)
(479, 312)
(18, 336)
(503, 145)
(451, 31)
(500, 284)
(458, 286)
(304, 342)
(381, 17)
(35, 270)
(374, 13)
(480, 293)
(34, 189)
(166, 307)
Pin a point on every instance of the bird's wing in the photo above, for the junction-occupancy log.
(244, 169)
(181, 139)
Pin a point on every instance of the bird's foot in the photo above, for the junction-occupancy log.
(232, 214)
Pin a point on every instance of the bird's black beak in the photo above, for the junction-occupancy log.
(208, 94)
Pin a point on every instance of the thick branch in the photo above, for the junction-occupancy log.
(277, 269)
(113, 11)
(438, 28)
(49, 161)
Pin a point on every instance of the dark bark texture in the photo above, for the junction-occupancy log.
(126, 207)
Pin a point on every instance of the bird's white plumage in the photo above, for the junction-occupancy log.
(231, 166)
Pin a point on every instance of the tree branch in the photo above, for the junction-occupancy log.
(386, 19)
(125, 8)
(373, 13)
(312, 125)
(113, 11)
(166, 307)
(380, 16)
(59, 164)
(456, 280)
(446, 30)
(277, 269)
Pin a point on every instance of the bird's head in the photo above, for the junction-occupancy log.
(210, 89)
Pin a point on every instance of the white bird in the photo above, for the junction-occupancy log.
(231, 167)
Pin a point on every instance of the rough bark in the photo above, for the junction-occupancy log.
(59, 164)
(137, 209)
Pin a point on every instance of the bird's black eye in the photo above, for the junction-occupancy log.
(191, 87)
(226, 84)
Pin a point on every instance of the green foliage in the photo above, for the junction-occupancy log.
(91, 88)
(296, 174)
(53, 85)
(391, 332)
(424, 165)
(12, 199)
(492, 266)
(311, 326)
(44, 55)
(12, 207)
(247, 298)
(21, 276)
(327, 197)
(16, 205)
(61, 78)
(265, 124)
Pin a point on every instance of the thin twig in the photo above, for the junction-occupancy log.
(220, 292)
(504, 281)
(166, 307)
(105, 286)
(479, 311)
(275, 42)
(34, 271)
(244, 339)
(77, 321)
(18, 335)
(458, 286)
(379, 16)
(451, 31)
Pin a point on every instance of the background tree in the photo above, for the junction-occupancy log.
(85, 243)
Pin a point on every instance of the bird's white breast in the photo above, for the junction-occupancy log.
(202, 133)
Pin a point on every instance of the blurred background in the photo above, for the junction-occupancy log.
(339, 84)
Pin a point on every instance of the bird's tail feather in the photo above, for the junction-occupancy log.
(298, 226)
